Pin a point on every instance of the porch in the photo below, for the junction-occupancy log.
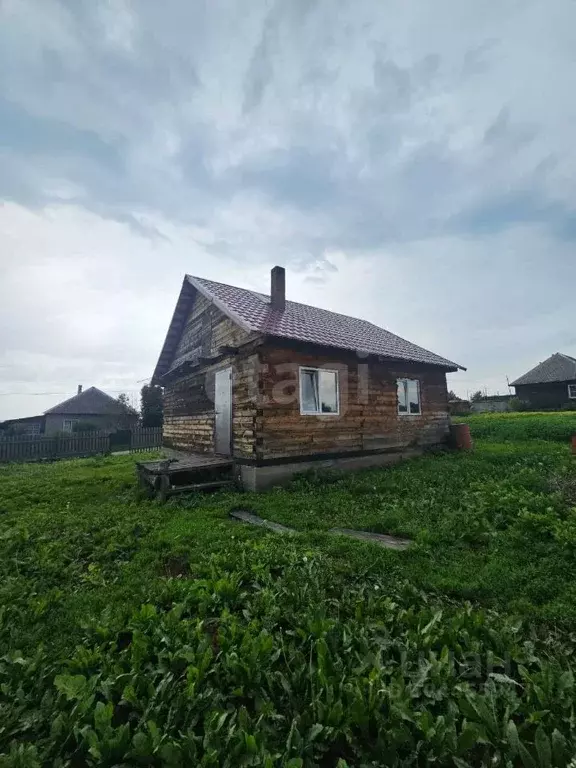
(181, 472)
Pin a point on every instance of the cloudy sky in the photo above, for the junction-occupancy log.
(412, 163)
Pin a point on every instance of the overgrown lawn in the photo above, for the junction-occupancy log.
(556, 426)
(138, 634)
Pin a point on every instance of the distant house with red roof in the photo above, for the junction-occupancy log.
(281, 386)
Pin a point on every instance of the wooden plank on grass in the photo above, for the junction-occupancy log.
(252, 519)
(390, 542)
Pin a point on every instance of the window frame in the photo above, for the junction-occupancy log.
(336, 372)
(71, 422)
(571, 388)
(405, 379)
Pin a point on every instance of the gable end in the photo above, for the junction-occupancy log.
(199, 330)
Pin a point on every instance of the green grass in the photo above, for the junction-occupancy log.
(138, 634)
(555, 426)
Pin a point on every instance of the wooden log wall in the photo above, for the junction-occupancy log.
(368, 418)
(189, 399)
(245, 377)
(189, 413)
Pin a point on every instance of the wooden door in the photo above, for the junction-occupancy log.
(223, 412)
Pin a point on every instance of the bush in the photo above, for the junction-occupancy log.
(554, 425)
(515, 404)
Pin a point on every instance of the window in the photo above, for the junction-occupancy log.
(33, 429)
(572, 391)
(409, 397)
(68, 425)
(319, 391)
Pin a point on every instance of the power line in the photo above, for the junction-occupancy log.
(59, 394)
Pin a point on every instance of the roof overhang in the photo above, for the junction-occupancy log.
(520, 383)
(446, 365)
(181, 311)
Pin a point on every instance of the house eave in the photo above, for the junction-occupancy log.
(285, 341)
(541, 383)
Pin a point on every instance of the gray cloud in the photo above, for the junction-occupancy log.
(412, 137)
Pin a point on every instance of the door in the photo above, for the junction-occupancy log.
(223, 412)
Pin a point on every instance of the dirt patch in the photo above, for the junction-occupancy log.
(176, 567)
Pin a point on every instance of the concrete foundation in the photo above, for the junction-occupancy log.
(261, 478)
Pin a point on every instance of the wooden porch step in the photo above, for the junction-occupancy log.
(189, 464)
(188, 473)
(202, 486)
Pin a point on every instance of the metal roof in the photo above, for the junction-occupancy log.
(300, 322)
(303, 322)
(557, 367)
(91, 402)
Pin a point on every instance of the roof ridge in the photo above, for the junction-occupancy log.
(298, 303)
(64, 403)
(226, 285)
(97, 389)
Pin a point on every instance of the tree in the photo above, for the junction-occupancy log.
(152, 406)
(124, 401)
(477, 396)
(453, 396)
(128, 418)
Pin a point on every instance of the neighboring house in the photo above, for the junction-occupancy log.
(282, 386)
(551, 384)
(29, 425)
(91, 406)
(491, 404)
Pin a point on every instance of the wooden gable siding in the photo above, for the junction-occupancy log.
(207, 329)
(368, 418)
(189, 398)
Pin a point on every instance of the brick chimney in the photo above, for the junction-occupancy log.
(278, 289)
(79, 389)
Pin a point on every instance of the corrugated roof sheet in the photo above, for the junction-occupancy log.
(557, 367)
(91, 402)
(302, 322)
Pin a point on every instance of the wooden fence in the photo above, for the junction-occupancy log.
(41, 447)
(145, 438)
